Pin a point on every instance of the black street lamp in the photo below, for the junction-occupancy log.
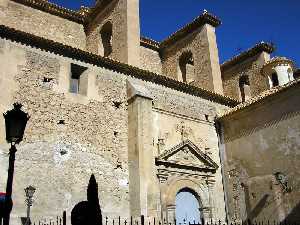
(15, 123)
(29, 191)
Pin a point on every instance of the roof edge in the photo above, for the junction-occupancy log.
(258, 48)
(45, 6)
(87, 57)
(204, 18)
(258, 99)
(150, 43)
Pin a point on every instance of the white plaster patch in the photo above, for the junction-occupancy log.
(123, 182)
(62, 152)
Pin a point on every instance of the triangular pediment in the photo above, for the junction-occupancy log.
(186, 154)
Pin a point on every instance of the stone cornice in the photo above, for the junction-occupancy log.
(258, 48)
(184, 166)
(265, 96)
(44, 5)
(205, 18)
(87, 57)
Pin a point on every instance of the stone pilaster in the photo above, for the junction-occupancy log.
(213, 58)
(143, 184)
(133, 32)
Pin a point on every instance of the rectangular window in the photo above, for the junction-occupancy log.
(75, 80)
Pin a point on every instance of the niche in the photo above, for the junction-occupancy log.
(186, 67)
(106, 39)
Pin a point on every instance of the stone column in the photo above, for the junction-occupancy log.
(171, 214)
(210, 186)
(206, 213)
(143, 183)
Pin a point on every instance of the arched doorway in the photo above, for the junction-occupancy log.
(188, 207)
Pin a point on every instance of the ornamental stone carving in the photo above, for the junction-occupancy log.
(184, 159)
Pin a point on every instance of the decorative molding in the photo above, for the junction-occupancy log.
(184, 158)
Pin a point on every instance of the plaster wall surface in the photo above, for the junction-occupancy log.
(251, 68)
(70, 136)
(283, 75)
(42, 24)
(262, 141)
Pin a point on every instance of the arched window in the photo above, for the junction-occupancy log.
(186, 67)
(274, 79)
(188, 207)
(106, 39)
(244, 88)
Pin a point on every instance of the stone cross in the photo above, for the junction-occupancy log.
(183, 130)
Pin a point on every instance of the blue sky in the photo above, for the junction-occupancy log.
(244, 22)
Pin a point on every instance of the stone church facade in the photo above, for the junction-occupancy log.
(149, 119)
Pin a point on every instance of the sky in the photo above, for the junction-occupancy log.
(244, 22)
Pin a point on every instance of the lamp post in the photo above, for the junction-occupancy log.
(29, 191)
(15, 124)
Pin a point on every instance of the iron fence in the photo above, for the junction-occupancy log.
(60, 220)
(142, 220)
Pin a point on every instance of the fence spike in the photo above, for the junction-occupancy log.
(119, 220)
(64, 217)
(142, 220)
(125, 222)
(131, 220)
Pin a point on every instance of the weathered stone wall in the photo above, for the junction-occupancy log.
(258, 142)
(202, 44)
(124, 16)
(42, 24)
(70, 136)
(251, 68)
(59, 158)
(150, 60)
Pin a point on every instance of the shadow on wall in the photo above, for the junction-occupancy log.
(294, 215)
(253, 213)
